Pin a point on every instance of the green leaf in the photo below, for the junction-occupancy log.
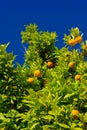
(41, 101)
(29, 102)
(49, 97)
(52, 113)
(34, 125)
(48, 117)
(47, 127)
(85, 105)
(76, 128)
(85, 117)
(2, 116)
(63, 125)
(74, 31)
(69, 95)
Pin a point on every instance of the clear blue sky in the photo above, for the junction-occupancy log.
(49, 15)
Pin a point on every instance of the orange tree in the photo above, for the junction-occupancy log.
(49, 91)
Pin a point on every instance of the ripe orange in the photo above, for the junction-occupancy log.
(30, 80)
(78, 39)
(50, 64)
(71, 64)
(37, 73)
(78, 77)
(72, 42)
(75, 113)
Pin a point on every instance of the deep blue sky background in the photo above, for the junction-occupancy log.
(49, 15)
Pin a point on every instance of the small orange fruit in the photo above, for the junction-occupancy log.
(50, 64)
(78, 77)
(78, 39)
(30, 80)
(37, 73)
(75, 113)
(72, 42)
(71, 64)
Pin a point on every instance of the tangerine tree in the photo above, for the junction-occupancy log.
(49, 91)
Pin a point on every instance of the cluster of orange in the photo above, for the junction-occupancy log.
(37, 73)
(75, 40)
(77, 76)
(74, 112)
(50, 64)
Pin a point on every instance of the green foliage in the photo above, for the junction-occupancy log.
(75, 32)
(46, 102)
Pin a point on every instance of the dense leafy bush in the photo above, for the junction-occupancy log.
(49, 91)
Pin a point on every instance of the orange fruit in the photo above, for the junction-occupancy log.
(72, 42)
(78, 39)
(78, 77)
(75, 113)
(30, 80)
(37, 73)
(71, 64)
(50, 64)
